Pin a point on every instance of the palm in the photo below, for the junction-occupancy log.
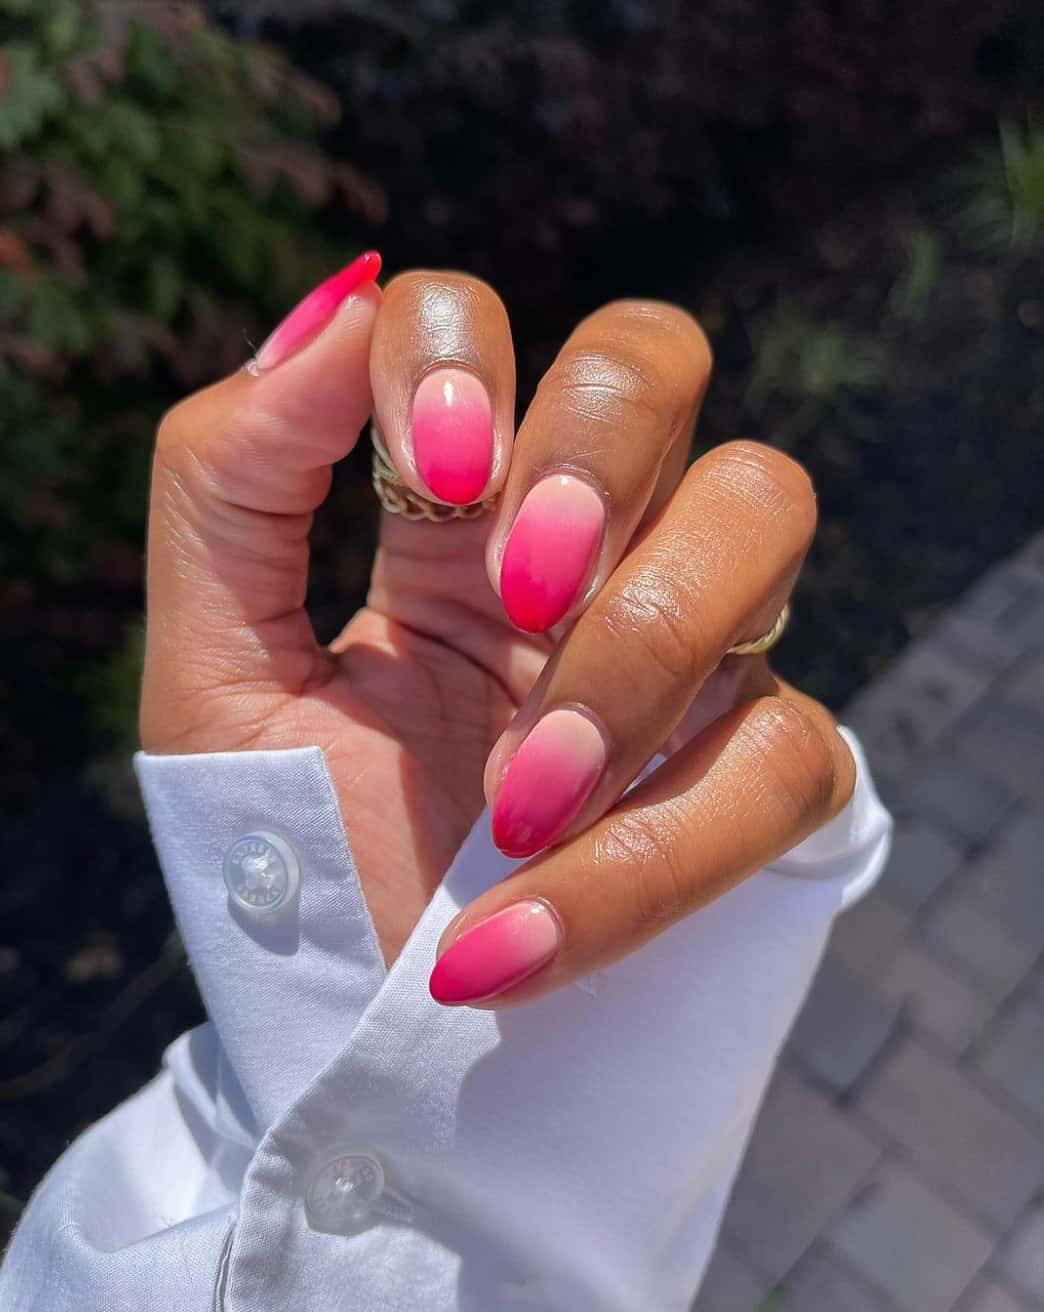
(406, 708)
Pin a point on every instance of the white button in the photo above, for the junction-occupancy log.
(343, 1193)
(261, 872)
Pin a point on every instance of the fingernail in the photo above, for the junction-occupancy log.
(452, 429)
(547, 781)
(310, 316)
(496, 954)
(550, 550)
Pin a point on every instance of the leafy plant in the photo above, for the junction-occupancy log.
(818, 366)
(160, 186)
(922, 270)
(1001, 193)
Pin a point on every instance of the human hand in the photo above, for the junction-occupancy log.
(633, 575)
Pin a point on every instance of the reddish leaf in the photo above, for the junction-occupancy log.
(14, 253)
(82, 76)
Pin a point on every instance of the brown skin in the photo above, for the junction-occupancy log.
(410, 700)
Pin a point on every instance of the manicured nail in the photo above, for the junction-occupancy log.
(310, 316)
(496, 954)
(547, 781)
(550, 550)
(452, 428)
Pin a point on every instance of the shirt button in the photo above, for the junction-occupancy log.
(344, 1192)
(261, 872)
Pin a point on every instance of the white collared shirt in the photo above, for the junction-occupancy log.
(335, 1139)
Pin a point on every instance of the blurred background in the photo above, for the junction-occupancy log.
(849, 193)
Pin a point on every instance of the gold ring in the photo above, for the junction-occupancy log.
(398, 498)
(767, 640)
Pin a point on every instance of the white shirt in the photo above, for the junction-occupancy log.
(334, 1139)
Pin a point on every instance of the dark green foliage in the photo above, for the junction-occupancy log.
(157, 182)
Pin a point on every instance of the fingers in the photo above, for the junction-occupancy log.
(443, 373)
(747, 789)
(603, 442)
(714, 569)
(239, 468)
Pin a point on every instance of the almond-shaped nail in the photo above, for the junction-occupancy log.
(547, 781)
(497, 954)
(550, 550)
(310, 316)
(452, 431)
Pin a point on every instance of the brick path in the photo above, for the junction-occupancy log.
(898, 1165)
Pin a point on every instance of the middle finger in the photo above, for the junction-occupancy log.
(713, 570)
(603, 443)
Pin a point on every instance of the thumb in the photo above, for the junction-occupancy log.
(239, 470)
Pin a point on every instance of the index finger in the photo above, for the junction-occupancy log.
(442, 369)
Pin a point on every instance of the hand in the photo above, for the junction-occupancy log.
(644, 572)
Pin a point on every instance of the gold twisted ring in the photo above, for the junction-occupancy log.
(767, 640)
(399, 499)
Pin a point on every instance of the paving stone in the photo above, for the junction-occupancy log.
(843, 1026)
(912, 1243)
(1025, 687)
(997, 595)
(934, 998)
(866, 935)
(954, 1132)
(821, 1283)
(1022, 1257)
(1006, 744)
(961, 930)
(1026, 626)
(965, 802)
(923, 859)
(729, 1285)
(805, 1162)
(969, 640)
(988, 1296)
(1013, 1057)
(1006, 877)
(923, 693)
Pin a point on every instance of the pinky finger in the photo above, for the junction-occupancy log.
(744, 791)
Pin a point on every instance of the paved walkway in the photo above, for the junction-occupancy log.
(898, 1165)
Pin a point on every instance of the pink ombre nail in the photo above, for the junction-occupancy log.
(310, 316)
(497, 953)
(550, 550)
(546, 782)
(452, 427)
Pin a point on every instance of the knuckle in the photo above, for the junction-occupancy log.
(802, 765)
(601, 383)
(175, 427)
(650, 620)
(844, 767)
(186, 449)
(660, 882)
(770, 480)
(668, 324)
(659, 348)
